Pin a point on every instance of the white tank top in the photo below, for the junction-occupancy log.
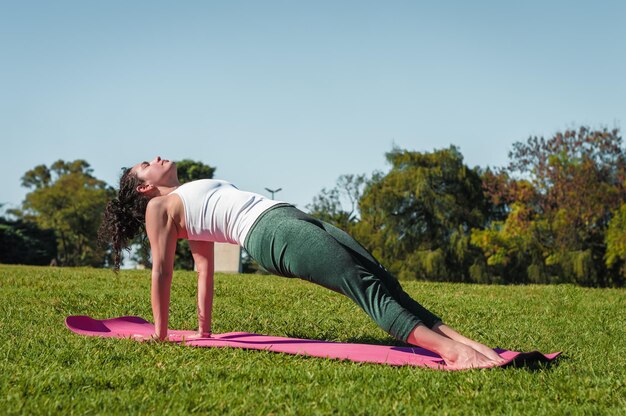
(216, 210)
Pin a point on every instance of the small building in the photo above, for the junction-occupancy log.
(227, 258)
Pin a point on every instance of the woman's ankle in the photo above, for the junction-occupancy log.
(432, 341)
(451, 351)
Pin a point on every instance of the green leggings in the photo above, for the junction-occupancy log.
(287, 242)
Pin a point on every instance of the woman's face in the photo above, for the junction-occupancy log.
(157, 172)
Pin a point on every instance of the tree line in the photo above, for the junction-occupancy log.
(555, 214)
(58, 221)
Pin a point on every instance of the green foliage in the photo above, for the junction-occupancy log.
(46, 369)
(183, 259)
(339, 205)
(615, 240)
(67, 199)
(511, 246)
(536, 273)
(578, 265)
(417, 218)
(432, 264)
(479, 273)
(25, 243)
(190, 170)
(249, 265)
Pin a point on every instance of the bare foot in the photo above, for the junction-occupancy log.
(464, 357)
(487, 352)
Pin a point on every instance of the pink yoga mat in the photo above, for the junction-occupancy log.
(127, 326)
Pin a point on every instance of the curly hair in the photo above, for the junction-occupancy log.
(124, 217)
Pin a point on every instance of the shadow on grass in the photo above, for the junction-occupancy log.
(535, 362)
(391, 342)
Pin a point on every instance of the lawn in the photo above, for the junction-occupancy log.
(44, 368)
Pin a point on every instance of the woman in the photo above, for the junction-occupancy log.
(282, 239)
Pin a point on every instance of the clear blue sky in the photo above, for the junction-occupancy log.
(293, 94)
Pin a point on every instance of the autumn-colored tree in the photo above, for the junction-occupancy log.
(511, 239)
(558, 195)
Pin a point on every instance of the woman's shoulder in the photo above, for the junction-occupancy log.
(166, 203)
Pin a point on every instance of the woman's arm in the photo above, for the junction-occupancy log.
(203, 256)
(162, 234)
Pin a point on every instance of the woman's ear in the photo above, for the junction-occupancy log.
(145, 188)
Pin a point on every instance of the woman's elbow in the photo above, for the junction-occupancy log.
(160, 273)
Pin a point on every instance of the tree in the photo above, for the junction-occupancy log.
(25, 243)
(417, 218)
(561, 193)
(69, 200)
(190, 170)
(509, 241)
(328, 205)
(615, 257)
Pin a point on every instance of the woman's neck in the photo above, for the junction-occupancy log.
(165, 190)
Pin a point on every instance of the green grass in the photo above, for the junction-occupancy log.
(44, 368)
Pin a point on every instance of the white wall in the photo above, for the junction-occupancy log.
(227, 258)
